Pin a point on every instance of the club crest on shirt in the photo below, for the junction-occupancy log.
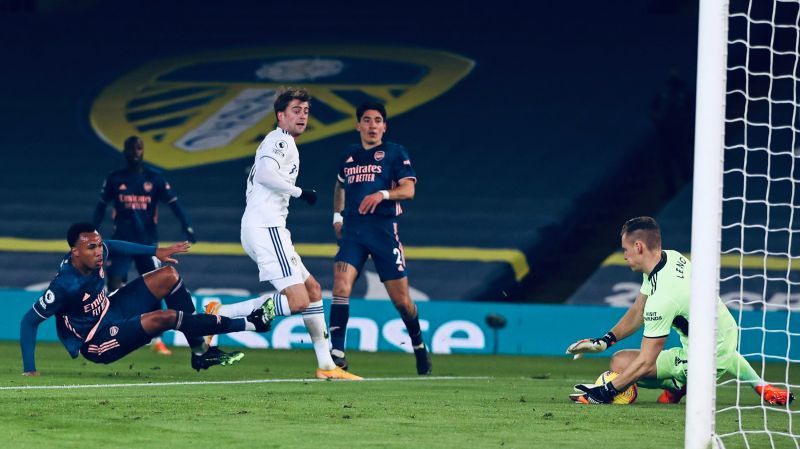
(379, 155)
(211, 107)
(113, 331)
(148, 186)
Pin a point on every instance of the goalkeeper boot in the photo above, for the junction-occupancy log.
(212, 308)
(215, 356)
(774, 395)
(160, 348)
(262, 317)
(336, 373)
(424, 365)
(669, 396)
(339, 359)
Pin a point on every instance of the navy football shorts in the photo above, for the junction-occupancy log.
(120, 331)
(376, 237)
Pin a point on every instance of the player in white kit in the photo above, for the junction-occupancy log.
(267, 241)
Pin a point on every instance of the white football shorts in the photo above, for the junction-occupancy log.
(273, 252)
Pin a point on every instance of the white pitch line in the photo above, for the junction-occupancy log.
(234, 382)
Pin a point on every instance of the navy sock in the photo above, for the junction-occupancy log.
(340, 315)
(180, 299)
(198, 325)
(412, 325)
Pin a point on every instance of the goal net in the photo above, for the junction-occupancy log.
(757, 220)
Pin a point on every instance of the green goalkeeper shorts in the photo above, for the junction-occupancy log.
(672, 363)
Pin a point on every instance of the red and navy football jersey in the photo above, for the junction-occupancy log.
(363, 172)
(78, 302)
(135, 197)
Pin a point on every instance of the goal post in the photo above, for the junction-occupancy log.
(709, 144)
(746, 209)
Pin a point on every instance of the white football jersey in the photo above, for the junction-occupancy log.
(266, 207)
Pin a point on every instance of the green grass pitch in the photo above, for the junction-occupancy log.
(494, 402)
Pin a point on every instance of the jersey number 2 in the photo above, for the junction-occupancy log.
(399, 254)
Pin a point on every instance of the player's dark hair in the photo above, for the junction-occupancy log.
(75, 231)
(646, 227)
(286, 95)
(132, 142)
(370, 106)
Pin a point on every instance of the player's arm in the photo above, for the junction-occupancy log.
(265, 172)
(627, 325)
(404, 191)
(99, 213)
(164, 254)
(167, 195)
(186, 225)
(632, 320)
(28, 328)
(100, 208)
(338, 207)
(44, 307)
(644, 365)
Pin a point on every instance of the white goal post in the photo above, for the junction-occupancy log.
(709, 146)
(744, 208)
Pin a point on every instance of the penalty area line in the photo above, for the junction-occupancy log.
(237, 382)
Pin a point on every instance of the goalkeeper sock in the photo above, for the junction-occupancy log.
(180, 299)
(340, 315)
(314, 319)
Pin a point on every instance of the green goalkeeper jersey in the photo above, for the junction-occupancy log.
(668, 289)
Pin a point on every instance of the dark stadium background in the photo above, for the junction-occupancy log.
(547, 146)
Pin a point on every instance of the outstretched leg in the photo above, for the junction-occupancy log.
(740, 368)
(166, 283)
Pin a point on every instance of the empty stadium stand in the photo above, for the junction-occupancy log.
(528, 150)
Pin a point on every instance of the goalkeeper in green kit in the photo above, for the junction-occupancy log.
(663, 303)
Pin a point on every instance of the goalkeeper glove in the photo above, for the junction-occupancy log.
(592, 345)
(594, 394)
(309, 196)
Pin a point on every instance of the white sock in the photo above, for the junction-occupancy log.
(314, 319)
(242, 308)
(282, 305)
